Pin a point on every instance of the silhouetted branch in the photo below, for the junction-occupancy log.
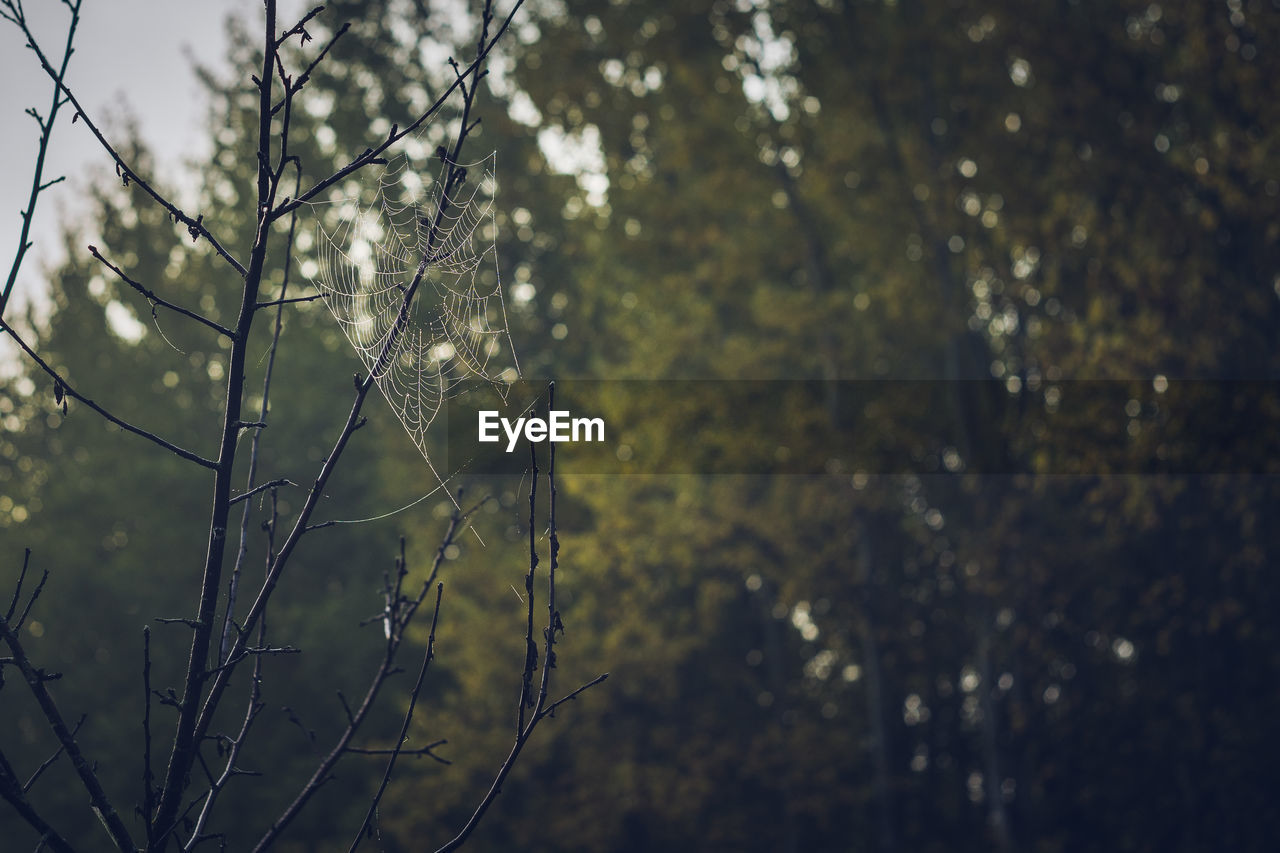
(48, 762)
(312, 298)
(530, 647)
(399, 612)
(404, 727)
(68, 391)
(540, 710)
(13, 13)
(273, 484)
(370, 155)
(35, 679)
(156, 300)
(408, 753)
(148, 780)
(12, 793)
(194, 226)
(299, 28)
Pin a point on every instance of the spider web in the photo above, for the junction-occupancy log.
(453, 331)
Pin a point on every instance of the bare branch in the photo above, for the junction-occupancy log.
(553, 616)
(372, 154)
(299, 28)
(540, 710)
(421, 751)
(312, 298)
(35, 679)
(148, 780)
(550, 710)
(12, 793)
(530, 647)
(48, 762)
(293, 87)
(156, 300)
(354, 421)
(273, 484)
(76, 395)
(401, 616)
(188, 734)
(17, 589)
(31, 602)
(16, 17)
(404, 727)
(194, 226)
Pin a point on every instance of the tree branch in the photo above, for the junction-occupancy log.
(156, 300)
(404, 727)
(76, 395)
(35, 679)
(48, 762)
(12, 793)
(372, 154)
(194, 226)
(46, 133)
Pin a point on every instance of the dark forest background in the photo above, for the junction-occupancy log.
(1024, 199)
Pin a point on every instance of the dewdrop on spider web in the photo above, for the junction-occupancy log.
(454, 331)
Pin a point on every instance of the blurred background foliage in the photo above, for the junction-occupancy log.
(1013, 195)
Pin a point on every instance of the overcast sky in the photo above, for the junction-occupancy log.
(133, 57)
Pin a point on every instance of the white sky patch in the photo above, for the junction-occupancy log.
(124, 323)
(579, 154)
(765, 79)
(523, 111)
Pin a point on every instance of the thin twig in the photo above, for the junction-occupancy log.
(156, 300)
(148, 779)
(272, 484)
(372, 154)
(11, 792)
(421, 751)
(38, 185)
(530, 647)
(17, 589)
(539, 712)
(553, 616)
(312, 298)
(550, 710)
(48, 762)
(299, 28)
(31, 602)
(194, 226)
(404, 726)
(76, 395)
(35, 679)
(295, 86)
(401, 616)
